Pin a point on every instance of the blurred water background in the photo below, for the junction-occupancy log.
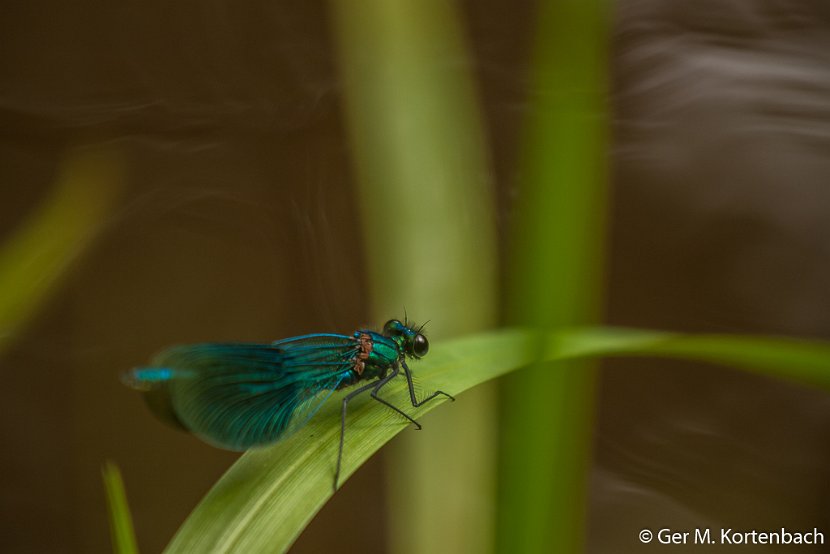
(232, 216)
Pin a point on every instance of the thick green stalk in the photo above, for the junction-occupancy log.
(547, 411)
(426, 207)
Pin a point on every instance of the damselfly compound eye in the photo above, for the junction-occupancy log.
(420, 346)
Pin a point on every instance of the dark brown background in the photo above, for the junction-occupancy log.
(238, 222)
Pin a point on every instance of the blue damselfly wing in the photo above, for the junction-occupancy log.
(237, 396)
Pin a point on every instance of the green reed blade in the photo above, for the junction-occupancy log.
(121, 523)
(265, 499)
(38, 254)
(428, 225)
(555, 280)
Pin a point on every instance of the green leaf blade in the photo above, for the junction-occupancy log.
(267, 498)
(37, 256)
(121, 523)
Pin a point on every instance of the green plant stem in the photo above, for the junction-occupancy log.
(548, 411)
(427, 219)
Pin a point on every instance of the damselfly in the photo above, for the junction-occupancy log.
(238, 396)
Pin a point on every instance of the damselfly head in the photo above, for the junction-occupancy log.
(411, 340)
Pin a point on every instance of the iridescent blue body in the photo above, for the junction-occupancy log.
(238, 395)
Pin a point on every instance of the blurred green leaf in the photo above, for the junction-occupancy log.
(265, 500)
(547, 413)
(428, 222)
(33, 260)
(121, 523)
